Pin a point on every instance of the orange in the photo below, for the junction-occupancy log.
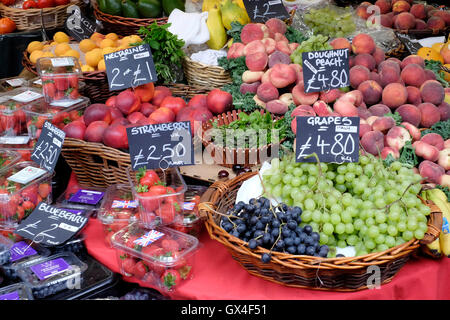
(36, 55)
(62, 48)
(87, 68)
(93, 57)
(87, 45)
(112, 36)
(72, 53)
(61, 37)
(447, 74)
(101, 65)
(429, 54)
(107, 43)
(34, 45)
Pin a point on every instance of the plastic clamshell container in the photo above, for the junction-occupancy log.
(53, 274)
(8, 84)
(170, 254)
(88, 198)
(16, 291)
(60, 77)
(5, 246)
(23, 153)
(75, 245)
(8, 158)
(39, 112)
(22, 253)
(160, 209)
(118, 209)
(32, 186)
(37, 83)
(13, 117)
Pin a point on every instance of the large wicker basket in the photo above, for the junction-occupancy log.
(336, 274)
(122, 25)
(36, 19)
(203, 75)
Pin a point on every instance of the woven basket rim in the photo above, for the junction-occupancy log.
(37, 11)
(308, 262)
(123, 20)
(203, 65)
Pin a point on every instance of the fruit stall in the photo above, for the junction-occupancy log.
(149, 149)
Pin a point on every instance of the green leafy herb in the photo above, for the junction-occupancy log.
(294, 35)
(166, 50)
(446, 190)
(408, 156)
(442, 128)
(389, 160)
(435, 66)
(235, 31)
(288, 144)
(235, 66)
(396, 116)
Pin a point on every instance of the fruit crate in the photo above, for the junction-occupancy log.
(302, 271)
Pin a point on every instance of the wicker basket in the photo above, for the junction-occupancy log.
(232, 156)
(35, 19)
(122, 25)
(203, 75)
(336, 274)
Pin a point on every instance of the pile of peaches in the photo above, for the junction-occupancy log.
(107, 123)
(406, 15)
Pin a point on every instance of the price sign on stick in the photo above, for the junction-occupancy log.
(333, 139)
(326, 69)
(263, 10)
(51, 226)
(130, 67)
(161, 145)
(77, 25)
(47, 149)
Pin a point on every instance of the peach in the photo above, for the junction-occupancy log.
(276, 25)
(383, 124)
(434, 139)
(265, 30)
(378, 55)
(432, 92)
(259, 102)
(236, 50)
(364, 128)
(373, 142)
(421, 25)
(321, 108)
(386, 21)
(266, 76)
(431, 171)
(252, 76)
(390, 151)
(366, 60)
(430, 114)
(351, 61)
(278, 57)
(413, 75)
(282, 75)
(355, 97)
(298, 72)
(384, 5)
(447, 143)
(303, 109)
(269, 44)
(283, 47)
(444, 14)
(405, 21)
(375, 77)
(341, 43)
(394, 95)
(401, 6)
(413, 130)
(444, 180)
(330, 96)
(395, 61)
(302, 98)
(410, 113)
(267, 92)
(418, 10)
(363, 113)
(363, 43)
(280, 37)
(345, 108)
(287, 98)
(361, 11)
(293, 46)
(397, 137)
(444, 159)
(370, 120)
(436, 23)
(426, 151)
(277, 107)
(250, 32)
(379, 110)
(358, 74)
(414, 96)
(429, 75)
(388, 74)
(413, 58)
(249, 87)
(256, 61)
(444, 110)
(371, 91)
(254, 47)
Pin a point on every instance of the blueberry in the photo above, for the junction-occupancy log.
(248, 234)
(275, 232)
(315, 236)
(252, 244)
(289, 241)
(292, 249)
(241, 227)
(286, 233)
(276, 223)
(302, 237)
(297, 210)
(281, 216)
(339, 255)
(299, 219)
(266, 238)
(264, 211)
(260, 225)
(227, 226)
(280, 244)
(235, 233)
(310, 250)
(292, 224)
(299, 230)
(297, 241)
(259, 242)
(258, 233)
(301, 248)
(307, 229)
(265, 257)
(264, 219)
(309, 240)
(323, 253)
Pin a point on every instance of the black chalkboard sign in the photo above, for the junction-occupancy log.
(77, 25)
(333, 139)
(263, 10)
(51, 226)
(326, 69)
(47, 149)
(161, 145)
(130, 67)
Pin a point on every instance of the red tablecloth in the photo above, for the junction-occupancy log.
(218, 277)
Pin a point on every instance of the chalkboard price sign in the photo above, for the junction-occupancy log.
(325, 70)
(333, 139)
(47, 149)
(161, 145)
(77, 25)
(130, 67)
(51, 226)
(263, 10)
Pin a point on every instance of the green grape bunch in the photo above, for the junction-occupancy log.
(332, 22)
(314, 43)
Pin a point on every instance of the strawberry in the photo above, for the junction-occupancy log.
(170, 279)
(140, 269)
(127, 265)
(170, 245)
(44, 190)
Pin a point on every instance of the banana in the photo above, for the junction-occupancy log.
(439, 199)
(434, 248)
(218, 35)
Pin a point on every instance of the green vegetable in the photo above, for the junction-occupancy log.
(396, 116)
(129, 9)
(112, 7)
(288, 144)
(445, 189)
(408, 156)
(170, 5)
(315, 43)
(442, 128)
(389, 160)
(166, 50)
(435, 66)
(149, 8)
(294, 35)
(235, 31)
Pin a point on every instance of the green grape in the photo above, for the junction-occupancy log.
(340, 228)
(349, 228)
(323, 238)
(407, 235)
(287, 179)
(401, 226)
(335, 218)
(277, 190)
(419, 234)
(392, 231)
(380, 239)
(307, 216)
(314, 226)
(358, 223)
(341, 244)
(328, 228)
(370, 244)
(352, 240)
(316, 216)
(380, 217)
(389, 241)
(373, 232)
(382, 227)
(382, 247)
